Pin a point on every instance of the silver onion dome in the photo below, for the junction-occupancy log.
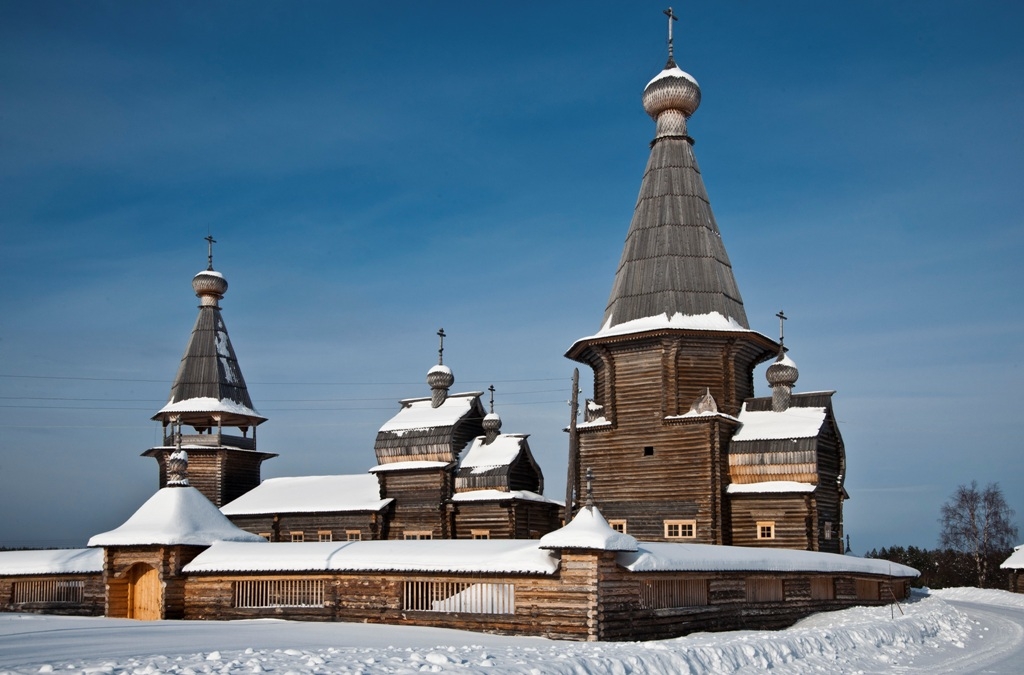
(210, 286)
(783, 371)
(671, 89)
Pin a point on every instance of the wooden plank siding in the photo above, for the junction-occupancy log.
(369, 524)
(420, 497)
(791, 513)
(168, 561)
(221, 474)
(511, 519)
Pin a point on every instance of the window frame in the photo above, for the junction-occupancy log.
(765, 524)
(617, 523)
(680, 523)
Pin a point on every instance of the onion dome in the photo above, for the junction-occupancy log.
(210, 286)
(782, 375)
(783, 371)
(492, 426)
(440, 379)
(670, 98)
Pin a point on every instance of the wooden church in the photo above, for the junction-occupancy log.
(680, 448)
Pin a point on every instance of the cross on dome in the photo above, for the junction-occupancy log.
(210, 241)
(671, 17)
(440, 350)
(782, 328)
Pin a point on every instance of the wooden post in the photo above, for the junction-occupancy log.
(574, 407)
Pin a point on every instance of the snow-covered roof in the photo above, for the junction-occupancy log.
(665, 557)
(495, 495)
(769, 487)
(596, 422)
(709, 321)
(674, 71)
(693, 414)
(175, 515)
(769, 425)
(1016, 559)
(58, 561)
(307, 494)
(417, 413)
(409, 465)
(449, 555)
(502, 451)
(208, 404)
(589, 530)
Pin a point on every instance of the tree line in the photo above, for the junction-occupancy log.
(977, 534)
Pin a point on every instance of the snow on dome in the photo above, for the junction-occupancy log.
(175, 515)
(674, 71)
(502, 451)
(440, 369)
(710, 321)
(55, 561)
(1015, 561)
(589, 530)
(509, 556)
(310, 494)
(770, 486)
(417, 413)
(208, 404)
(665, 557)
(769, 425)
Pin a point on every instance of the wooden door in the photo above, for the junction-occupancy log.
(144, 593)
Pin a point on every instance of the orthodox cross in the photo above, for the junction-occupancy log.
(440, 350)
(210, 241)
(491, 389)
(782, 328)
(671, 17)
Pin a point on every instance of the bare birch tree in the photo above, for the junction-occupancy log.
(978, 523)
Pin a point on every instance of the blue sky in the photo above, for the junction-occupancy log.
(373, 172)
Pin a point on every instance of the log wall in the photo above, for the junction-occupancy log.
(91, 603)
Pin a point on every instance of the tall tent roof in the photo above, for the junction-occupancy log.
(209, 380)
(674, 261)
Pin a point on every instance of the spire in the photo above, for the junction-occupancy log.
(440, 377)
(673, 261)
(209, 390)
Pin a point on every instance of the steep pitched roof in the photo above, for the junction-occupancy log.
(209, 379)
(175, 515)
(674, 261)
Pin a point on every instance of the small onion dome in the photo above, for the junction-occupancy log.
(783, 371)
(492, 422)
(210, 282)
(671, 89)
(440, 377)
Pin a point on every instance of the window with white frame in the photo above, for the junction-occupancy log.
(419, 535)
(680, 529)
(353, 535)
(618, 525)
(324, 535)
(298, 536)
(766, 529)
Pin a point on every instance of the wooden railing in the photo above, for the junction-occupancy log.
(459, 596)
(48, 590)
(670, 593)
(211, 440)
(258, 593)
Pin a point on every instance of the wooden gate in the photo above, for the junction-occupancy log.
(144, 593)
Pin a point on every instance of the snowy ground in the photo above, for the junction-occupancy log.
(952, 631)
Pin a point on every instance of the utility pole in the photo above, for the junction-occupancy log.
(574, 441)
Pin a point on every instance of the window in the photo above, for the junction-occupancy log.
(324, 535)
(680, 529)
(298, 536)
(419, 535)
(828, 529)
(459, 596)
(766, 529)
(481, 534)
(618, 525)
(353, 535)
(267, 535)
(279, 593)
(649, 451)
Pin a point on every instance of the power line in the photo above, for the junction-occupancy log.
(304, 384)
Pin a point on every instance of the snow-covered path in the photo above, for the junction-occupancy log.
(963, 630)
